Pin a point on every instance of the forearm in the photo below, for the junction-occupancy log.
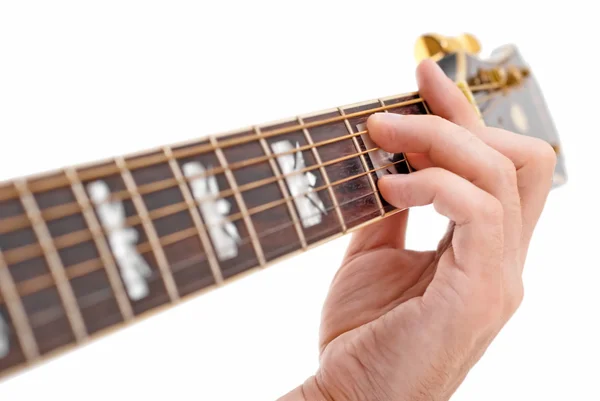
(308, 391)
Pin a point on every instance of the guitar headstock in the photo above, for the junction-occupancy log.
(514, 100)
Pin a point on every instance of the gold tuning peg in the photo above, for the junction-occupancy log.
(437, 46)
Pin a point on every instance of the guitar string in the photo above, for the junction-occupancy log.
(185, 264)
(97, 265)
(150, 160)
(195, 150)
(147, 158)
(260, 208)
(193, 233)
(65, 210)
(47, 316)
(24, 255)
(72, 208)
(77, 237)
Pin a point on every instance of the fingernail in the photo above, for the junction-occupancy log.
(390, 179)
(385, 117)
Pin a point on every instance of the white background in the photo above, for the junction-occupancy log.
(84, 80)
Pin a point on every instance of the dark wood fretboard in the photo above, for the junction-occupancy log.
(88, 248)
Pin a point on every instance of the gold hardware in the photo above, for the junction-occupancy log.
(437, 46)
(505, 77)
(466, 90)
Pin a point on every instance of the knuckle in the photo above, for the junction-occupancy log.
(544, 154)
(505, 171)
(515, 298)
(472, 141)
(439, 177)
(446, 129)
(490, 209)
(438, 174)
(438, 120)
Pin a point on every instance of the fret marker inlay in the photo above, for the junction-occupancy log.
(379, 157)
(122, 239)
(4, 338)
(223, 233)
(310, 207)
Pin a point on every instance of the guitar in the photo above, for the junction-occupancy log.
(91, 248)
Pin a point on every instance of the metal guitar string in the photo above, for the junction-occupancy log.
(64, 210)
(56, 312)
(47, 280)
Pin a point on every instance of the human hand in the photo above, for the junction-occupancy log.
(405, 325)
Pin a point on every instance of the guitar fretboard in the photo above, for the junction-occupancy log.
(88, 248)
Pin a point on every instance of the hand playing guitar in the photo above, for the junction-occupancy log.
(407, 325)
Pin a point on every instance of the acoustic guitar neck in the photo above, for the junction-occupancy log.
(86, 249)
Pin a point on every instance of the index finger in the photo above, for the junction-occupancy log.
(443, 97)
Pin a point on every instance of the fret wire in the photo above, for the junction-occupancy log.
(282, 188)
(102, 171)
(17, 312)
(240, 201)
(53, 260)
(382, 103)
(23, 253)
(193, 209)
(410, 170)
(102, 246)
(140, 207)
(426, 108)
(362, 159)
(324, 174)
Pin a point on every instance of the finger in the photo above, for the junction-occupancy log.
(535, 161)
(419, 161)
(478, 237)
(456, 149)
(389, 232)
(443, 96)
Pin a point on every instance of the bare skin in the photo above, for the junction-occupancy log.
(405, 325)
